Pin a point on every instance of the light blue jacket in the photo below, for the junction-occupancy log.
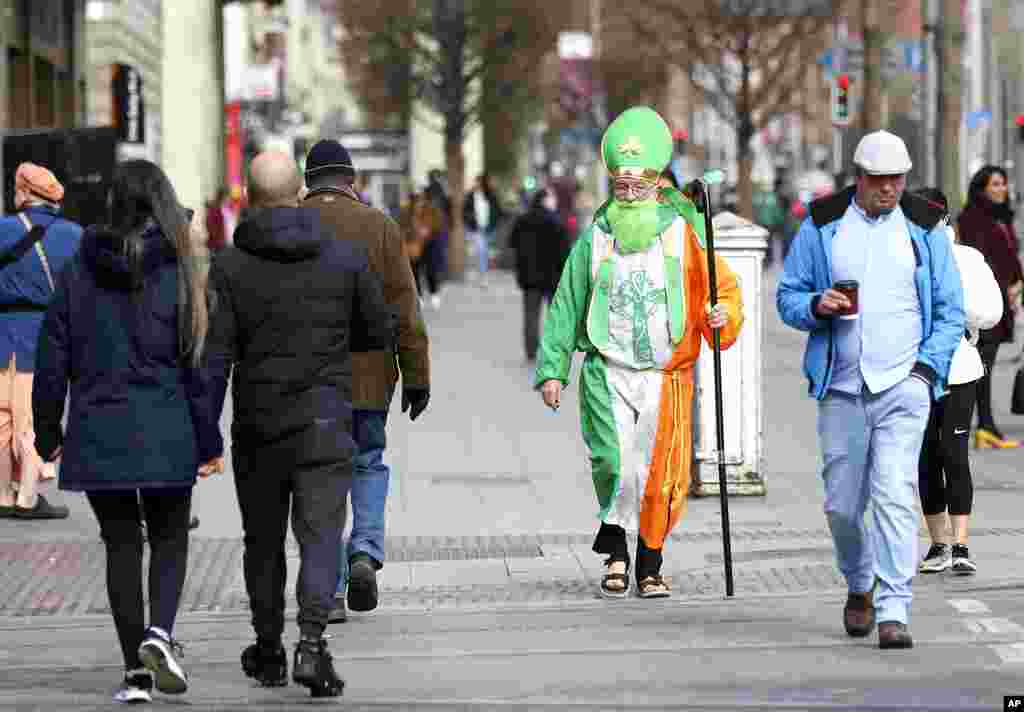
(808, 273)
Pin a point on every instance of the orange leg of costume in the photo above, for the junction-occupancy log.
(668, 483)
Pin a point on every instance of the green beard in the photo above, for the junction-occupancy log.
(634, 225)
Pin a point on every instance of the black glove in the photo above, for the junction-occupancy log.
(415, 401)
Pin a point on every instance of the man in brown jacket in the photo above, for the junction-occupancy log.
(330, 176)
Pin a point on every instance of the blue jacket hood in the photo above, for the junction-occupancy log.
(104, 251)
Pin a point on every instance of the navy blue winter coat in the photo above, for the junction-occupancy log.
(140, 416)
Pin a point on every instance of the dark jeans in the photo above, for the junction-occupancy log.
(944, 474)
(988, 351)
(317, 497)
(167, 513)
(533, 298)
(611, 541)
(435, 262)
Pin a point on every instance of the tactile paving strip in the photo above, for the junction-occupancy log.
(68, 577)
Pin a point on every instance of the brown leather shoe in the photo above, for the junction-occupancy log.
(859, 614)
(893, 635)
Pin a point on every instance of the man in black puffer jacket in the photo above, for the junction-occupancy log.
(291, 303)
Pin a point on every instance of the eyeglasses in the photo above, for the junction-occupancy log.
(638, 188)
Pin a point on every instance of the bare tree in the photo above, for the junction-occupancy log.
(951, 41)
(461, 58)
(747, 59)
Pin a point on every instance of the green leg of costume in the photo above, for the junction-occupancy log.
(599, 431)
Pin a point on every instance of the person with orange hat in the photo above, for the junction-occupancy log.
(34, 245)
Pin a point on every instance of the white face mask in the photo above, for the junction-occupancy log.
(550, 202)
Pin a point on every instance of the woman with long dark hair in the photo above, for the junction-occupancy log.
(986, 224)
(127, 329)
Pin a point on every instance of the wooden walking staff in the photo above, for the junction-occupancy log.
(702, 197)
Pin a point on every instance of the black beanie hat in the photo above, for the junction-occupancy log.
(328, 155)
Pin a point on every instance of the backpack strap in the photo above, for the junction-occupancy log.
(33, 237)
(33, 234)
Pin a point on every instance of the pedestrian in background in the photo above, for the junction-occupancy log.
(871, 276)
(542, 245)
(127, 327)
(986, 224)
(219, 221)
(425, 228)
(944, 476)
(293, 300)
(329, 176)
(411, 244)
(35, 244)
(436, 253)
(481, 216)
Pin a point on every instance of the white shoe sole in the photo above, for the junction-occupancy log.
(936, 568)
(132, 697)
(168, 677)
(963, 570)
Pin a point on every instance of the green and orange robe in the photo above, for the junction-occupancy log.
(639, 318)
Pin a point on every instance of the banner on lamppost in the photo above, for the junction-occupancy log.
(233, 150)
(576, 76)
(129, 115)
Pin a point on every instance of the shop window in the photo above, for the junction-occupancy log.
(18, 82)
(46, 91)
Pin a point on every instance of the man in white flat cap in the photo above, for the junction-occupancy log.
(871, 277)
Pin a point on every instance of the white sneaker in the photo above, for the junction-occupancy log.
(136, 689)
(435, 301)
(158, 654)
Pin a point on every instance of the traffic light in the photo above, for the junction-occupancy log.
(1019, 121)
(841, 100)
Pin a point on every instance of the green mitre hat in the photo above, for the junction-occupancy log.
(637, 143)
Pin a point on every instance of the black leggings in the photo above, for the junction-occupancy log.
(988, 351)
(167, 514)
(945, 451)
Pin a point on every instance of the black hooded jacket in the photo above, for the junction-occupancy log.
(140, 415)
(292, 303)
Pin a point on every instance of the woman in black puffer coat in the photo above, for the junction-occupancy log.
(126, 330)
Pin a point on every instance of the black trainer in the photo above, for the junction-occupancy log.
(266, 662)
(362, 583)
(314, 669)
(42, 510)
(962, 564)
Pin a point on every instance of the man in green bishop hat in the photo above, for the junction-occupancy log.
(634, 298)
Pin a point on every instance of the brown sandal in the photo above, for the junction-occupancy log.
(653, 587)
(610, 583)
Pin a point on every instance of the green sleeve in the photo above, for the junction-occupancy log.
(566, 315)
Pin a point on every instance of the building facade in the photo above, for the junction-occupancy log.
(124, 54)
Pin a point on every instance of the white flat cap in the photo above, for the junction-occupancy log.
(881, 154)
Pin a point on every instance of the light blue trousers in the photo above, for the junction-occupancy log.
(870, 447)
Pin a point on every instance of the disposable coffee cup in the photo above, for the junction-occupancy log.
(849, 289)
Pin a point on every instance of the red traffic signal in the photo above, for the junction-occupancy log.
(841, 100)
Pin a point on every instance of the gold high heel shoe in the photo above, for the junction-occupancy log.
(985, 439)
